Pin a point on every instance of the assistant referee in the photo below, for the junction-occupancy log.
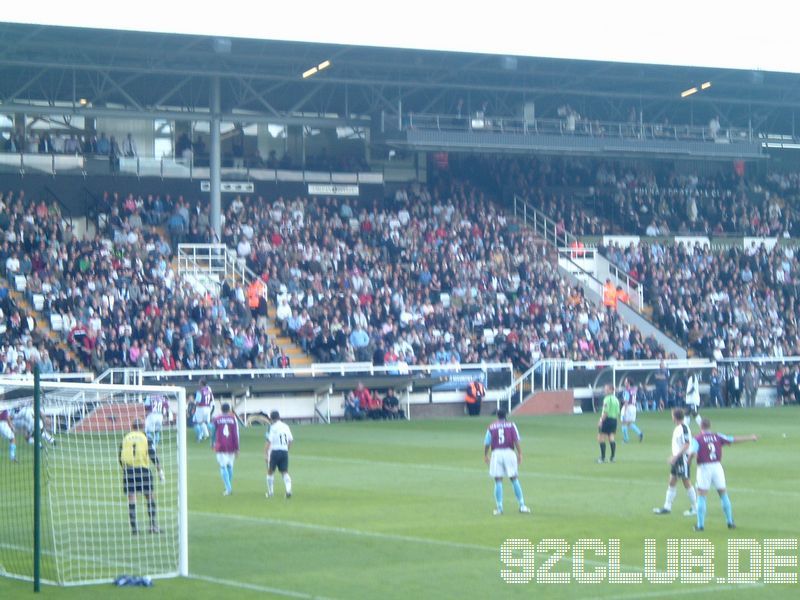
(607, 427)
(137, 456)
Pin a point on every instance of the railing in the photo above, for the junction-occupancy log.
(27, 378)
(553, 374)
(561, 374)
(544, 227)
(65, 216)
(550, 374)
(325, 369)
(120, 376)
(168, 167)
(214, 260)
(631, 285)
(479, 122)
(568, 248)
(765, 365)
(43, 163)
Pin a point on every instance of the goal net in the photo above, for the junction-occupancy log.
(90, 529)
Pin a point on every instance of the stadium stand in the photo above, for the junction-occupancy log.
(592, 197)
(113, 299)
(390, 284)
(724, 303)
(431, 276)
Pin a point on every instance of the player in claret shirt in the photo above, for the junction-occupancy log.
(7, 431)
(226, 445)
(708, 448)
(156, 409)
(502, 440)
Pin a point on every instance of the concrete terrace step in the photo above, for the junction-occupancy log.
(42, 324)
(293, 351)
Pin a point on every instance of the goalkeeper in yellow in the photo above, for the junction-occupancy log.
(137, 456)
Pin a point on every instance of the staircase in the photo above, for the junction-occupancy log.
(582, 266)
(208, 266)
(43, 329)
(295, 353)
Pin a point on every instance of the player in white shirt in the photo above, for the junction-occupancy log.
(629, 420)
(7, 432)
(276, 453)
(693, 397)
(679, 466)
(628, 415)
(23, 421)
(156, 407)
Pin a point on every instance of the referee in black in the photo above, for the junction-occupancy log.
(137, 456)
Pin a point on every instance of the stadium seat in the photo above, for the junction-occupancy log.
(56, 322)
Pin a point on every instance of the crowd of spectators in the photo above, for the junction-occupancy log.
(45, 142)
(644, 204)
(431, 276)
(115, 296)
(362, 403)
(725, 303)
(24, 225)
(594, 197)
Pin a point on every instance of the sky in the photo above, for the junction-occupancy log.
(704, 33)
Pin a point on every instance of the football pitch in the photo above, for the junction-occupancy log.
(404, 510)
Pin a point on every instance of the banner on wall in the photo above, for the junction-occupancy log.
(332, 189)
(458, 380)
(230, 187)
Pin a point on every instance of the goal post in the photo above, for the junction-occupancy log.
(98, 519)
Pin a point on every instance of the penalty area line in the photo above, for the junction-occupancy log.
(395, 537)
(254, 587)
(523, 473)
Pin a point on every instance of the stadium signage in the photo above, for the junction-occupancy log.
(458, 380)
(754, 243)
(230, 187)
(332, 189)
(692, 561)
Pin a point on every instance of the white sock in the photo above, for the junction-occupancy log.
(698, 420)
(671, 493)
(270, 483)
(287, 481)
(205, 431)
(692, 498)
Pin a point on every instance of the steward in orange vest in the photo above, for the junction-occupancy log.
(475, 393)
(609, 295)
(622, 295)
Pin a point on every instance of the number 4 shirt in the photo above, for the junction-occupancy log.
(226, 432)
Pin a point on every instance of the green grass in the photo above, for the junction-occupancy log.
(399, 510)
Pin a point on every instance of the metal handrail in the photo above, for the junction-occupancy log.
(322, 369)
(566, 245)
(481, 122)
(216, 259)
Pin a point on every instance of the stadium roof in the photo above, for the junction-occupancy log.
(48, 70)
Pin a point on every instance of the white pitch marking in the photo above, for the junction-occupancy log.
(523, 475)
(257, 588)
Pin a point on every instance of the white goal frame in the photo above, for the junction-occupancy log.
(178, 394)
